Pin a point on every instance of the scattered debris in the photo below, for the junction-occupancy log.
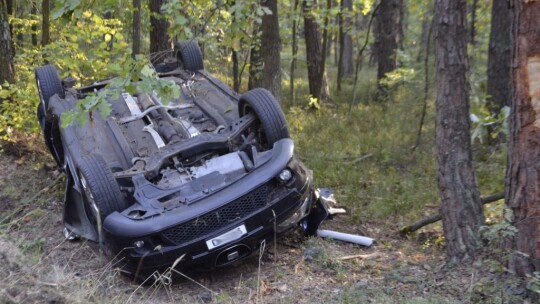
(326, 198)
(346, 237)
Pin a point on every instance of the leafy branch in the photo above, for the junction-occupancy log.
(134, 76)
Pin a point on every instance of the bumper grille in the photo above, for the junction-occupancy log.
(219, 218)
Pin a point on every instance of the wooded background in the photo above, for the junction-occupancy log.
(463, 73)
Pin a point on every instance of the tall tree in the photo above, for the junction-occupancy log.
(236, 71)
(461, 206)
(499, 57)
(7, 69)
(523, 172)
(270, 50)
(33, 13)
(387, 31)
(255, 65)
(9, 7)
(294, 50)
(472, 30)
(345, 61)
(314, 50)
(46, 23)
(136, 38)
(159, 39)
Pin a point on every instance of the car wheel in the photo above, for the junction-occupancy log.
(48, 84)
(271, 118)
(190, 54)
(100, 189)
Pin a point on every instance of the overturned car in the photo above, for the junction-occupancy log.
(199, 182)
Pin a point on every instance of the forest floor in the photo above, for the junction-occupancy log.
(37, 265)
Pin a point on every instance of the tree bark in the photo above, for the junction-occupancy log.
(387, 30)
(499, 57)
(136, 38)
(46, 24)
(236, 71)
(33, 12)
(472, 31)
(314, 52)
(159, 39)
(255, 66)
(270, 50)
(461, 206)
(7, 68)
(325, 47)
(294, 51)
(345, 61)
(523, 171)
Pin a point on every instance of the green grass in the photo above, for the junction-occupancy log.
(368, 158)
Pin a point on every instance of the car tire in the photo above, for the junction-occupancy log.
(48, 84)
(100, 189)
(190, 54)
(269, 113)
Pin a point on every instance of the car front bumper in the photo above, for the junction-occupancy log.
(223, 227)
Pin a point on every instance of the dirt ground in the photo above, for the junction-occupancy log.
(37, 265)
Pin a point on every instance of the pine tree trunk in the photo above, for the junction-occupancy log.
(33, 12)
(345, 61)
(255, 66)
(346, 45)
(45, 25)
(236, 71)
(159, 39)
(314, 52)
(499, 57)
(136, 27)
(523, 172)
(294, 48)
(20, 13)
(270, 50)
(472, 30)
(461, 206)
(387, 29)
(7, 69)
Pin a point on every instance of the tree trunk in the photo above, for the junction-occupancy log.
(325, 47)
(255, 66)
(387, 29)
(294, 53)
(20, 13)
(270, 50)
(159, 39)
(314, 53)
(7, 68)
(523, 172)
(33, 12)
(461, 205)
(136, 27)
(499, 57)
(472, 30)
(236, 71)
(345, 61)
(45, 25)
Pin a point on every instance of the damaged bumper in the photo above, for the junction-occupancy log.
(224, 226)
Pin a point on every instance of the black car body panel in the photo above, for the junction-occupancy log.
(192, 182)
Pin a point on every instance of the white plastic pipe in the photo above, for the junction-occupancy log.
(351, 238)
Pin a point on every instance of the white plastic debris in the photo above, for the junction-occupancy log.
(346, 237)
